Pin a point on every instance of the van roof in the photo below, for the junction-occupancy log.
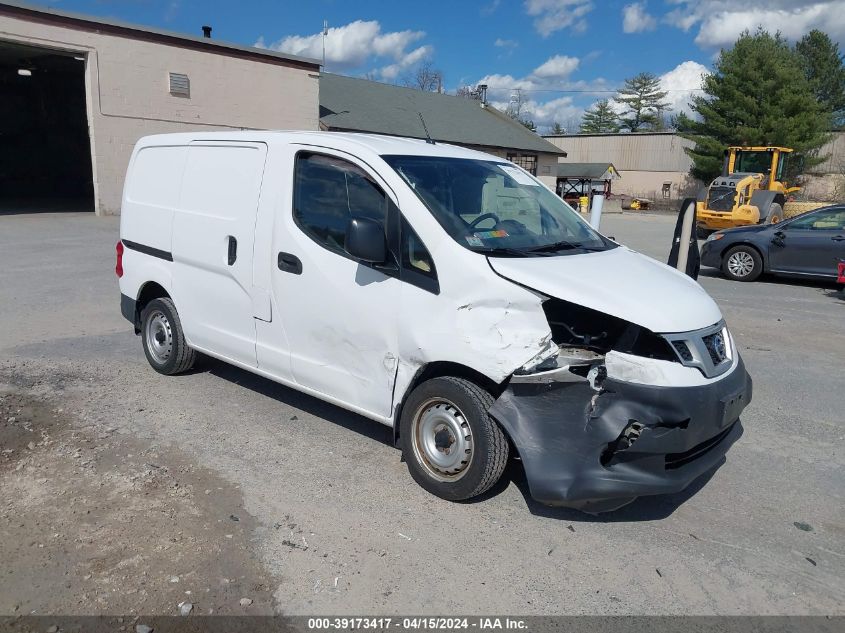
(347, 141)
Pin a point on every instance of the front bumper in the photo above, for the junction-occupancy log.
(569, 436)
(711, 255)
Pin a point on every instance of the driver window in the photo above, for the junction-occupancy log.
(833, 220)
(328, 191)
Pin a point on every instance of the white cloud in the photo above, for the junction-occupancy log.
(635, 18)
(682, 83)
(392, 71)
(720, 22)
(555, 15)
(500, 43)
(561, 110)
(490, 9)
(354, 44)
(542, 102)
(557, 67)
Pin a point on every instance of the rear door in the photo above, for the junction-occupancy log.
(213, 241)
(812, 244)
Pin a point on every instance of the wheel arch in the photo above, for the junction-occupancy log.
(147, 292)
(437, 369)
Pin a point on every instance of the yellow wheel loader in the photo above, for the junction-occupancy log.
(751, 190)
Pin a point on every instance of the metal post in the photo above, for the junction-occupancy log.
(595, 211)
(686, 233)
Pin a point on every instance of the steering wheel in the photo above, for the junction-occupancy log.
(481, 218)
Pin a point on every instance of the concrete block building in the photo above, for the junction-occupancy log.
(78, 92)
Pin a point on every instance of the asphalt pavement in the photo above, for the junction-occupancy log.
(763, 534)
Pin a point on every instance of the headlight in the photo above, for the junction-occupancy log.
(714, 236)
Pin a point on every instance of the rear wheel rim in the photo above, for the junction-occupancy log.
(740, 264)
(159, 337)
(442, 440)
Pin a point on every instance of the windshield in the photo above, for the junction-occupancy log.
(496, 208)
(748, 162)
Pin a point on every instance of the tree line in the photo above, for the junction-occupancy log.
(762, 92)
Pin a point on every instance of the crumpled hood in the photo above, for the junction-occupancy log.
(619, 282)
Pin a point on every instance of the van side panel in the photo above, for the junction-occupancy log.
(213, 239)
(151, 193)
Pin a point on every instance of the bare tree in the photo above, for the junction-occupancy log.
(424, 77)
(468, 92)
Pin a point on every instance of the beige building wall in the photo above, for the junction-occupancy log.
(127, 82)
(546, 163)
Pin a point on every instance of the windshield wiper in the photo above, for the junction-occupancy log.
(516, 252)
(564, 245)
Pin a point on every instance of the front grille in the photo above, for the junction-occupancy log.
(676, 460)
(683, 351)
(721, 198)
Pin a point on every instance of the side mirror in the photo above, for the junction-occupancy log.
(365, 240)
(778, 237)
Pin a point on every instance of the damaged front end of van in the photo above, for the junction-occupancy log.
(609, 410)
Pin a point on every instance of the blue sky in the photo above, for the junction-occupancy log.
(561, 54)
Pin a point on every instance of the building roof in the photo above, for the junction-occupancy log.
(360, 105)
(126, 29)
(587, 171)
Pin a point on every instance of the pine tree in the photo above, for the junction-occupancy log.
(600, 119)
(644, 102)
(557, 129)
(758, 94)
(822, 63)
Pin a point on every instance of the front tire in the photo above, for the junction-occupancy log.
(164, 341)
(452, 446)
(742, 263)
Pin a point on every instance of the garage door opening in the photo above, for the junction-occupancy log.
(45, 153)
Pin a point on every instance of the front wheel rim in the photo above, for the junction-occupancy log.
(741, 264)
(442, 440)
(159, 337)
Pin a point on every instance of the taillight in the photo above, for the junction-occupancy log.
(118, 267)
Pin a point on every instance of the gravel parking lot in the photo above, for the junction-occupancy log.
(123, 491)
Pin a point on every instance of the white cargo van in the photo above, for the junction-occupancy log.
(441, 291)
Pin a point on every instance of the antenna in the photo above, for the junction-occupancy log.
(325, 32)
(428, 138)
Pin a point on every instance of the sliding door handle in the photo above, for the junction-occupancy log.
(290, 263)
(233, 250)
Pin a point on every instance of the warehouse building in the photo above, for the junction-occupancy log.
(654, 165)
(348, 104)
(78, 92)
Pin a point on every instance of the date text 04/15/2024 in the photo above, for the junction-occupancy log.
(416, 623)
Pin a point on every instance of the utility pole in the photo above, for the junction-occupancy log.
(325, 32)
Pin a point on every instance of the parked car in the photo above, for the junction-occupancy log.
(809, 245)
(444, 292)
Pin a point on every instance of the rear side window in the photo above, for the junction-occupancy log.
(833, 220)
(328, 191)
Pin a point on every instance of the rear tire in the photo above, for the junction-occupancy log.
(775, 213)
(452, 446)
(742, 263)
(164, 341)
(701, 233)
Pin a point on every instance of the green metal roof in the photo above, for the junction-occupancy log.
(587, 171)
(360, 105)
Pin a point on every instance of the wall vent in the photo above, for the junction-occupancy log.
(180, 85)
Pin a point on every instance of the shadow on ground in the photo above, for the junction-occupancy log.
(643, 509)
